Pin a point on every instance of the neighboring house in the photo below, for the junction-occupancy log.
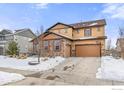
(120, 46)
(21, 36)
(5, 36)
(84, 39)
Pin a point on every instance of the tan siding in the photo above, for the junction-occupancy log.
(60, 29)
(51, 36)
(59, 26)
(95, 33)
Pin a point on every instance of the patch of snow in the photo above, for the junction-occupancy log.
(85, 38)
(22, 64)
(6, 78)
(111, 69)
(93, 24)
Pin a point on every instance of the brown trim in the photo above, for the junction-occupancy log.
(90, 32)
(104, 37)
(85, 44)
(89, 26)
(57, 24)
(59, 28)
(100, 50)
(55, 46)
(48, 46)
(52, 39)
(57, 35)
(70, 50)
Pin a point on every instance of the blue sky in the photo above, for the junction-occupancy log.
(17, 16)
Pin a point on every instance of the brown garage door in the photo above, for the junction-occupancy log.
(88, 50)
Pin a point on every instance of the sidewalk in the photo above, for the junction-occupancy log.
(23, 72)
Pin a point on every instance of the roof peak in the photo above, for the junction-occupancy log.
(89, 23)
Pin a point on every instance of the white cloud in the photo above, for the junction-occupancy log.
(115, 11)
(41, 5)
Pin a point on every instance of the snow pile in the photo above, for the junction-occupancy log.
(93, 24)
(22, 64)
(87, 37)
(111, 69)
(6, 78)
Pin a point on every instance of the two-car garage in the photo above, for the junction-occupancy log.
(88, 50)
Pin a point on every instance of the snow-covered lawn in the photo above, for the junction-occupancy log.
(22, 64)
(6, 78)
(111, 69)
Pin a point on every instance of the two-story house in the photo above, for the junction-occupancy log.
(21, 36)
(5, 36)
(84, 39)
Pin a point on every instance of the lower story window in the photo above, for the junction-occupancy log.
(57, 45)
(46, 45)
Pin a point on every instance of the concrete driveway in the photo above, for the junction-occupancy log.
(74, 71)
(78, 71)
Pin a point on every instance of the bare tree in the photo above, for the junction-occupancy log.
(121, 32)
(39, 42)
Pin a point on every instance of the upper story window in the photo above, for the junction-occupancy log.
(59, 31)
(98, 28)
(63, 30)
(2, 38)
(66, 30)
(87, 32)
(46, 45)
(57, 44)
(78, 30)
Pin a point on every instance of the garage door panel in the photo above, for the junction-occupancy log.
(88, 50)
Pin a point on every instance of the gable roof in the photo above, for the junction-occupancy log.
(82, 24)
(57, 24)
(57, 35)
(89, 23)
(41, 35)
(5, 32)
(25, 32)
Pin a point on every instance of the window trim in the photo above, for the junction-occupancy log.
(54, 46)
(45, 46)
(78, 30)
(98, 28)
(66, 30)
(90, 32)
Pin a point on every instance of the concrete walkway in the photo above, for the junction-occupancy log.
(37, 81)
(23, 72)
